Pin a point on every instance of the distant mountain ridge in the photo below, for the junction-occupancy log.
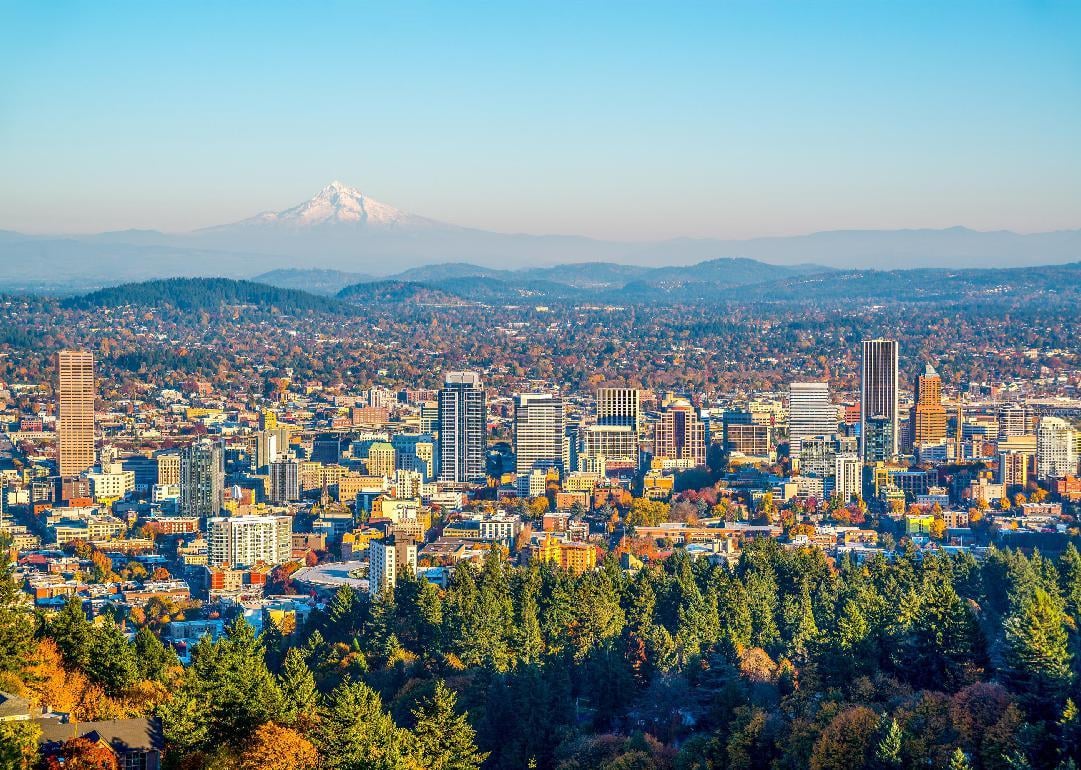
(343, 229)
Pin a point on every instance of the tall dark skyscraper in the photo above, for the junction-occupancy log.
(463, 427)
(879, 412)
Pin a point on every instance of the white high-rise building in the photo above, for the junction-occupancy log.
(810, 413)
(241, 541)
(847, 476)
(463, 428)
(879, 410)
(385, 558)
(1056, 450)
(540, 439)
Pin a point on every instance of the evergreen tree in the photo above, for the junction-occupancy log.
(297, 685)
(888, 751)
(113, 663)
(72, 632)
(944, 647)
(1037, 651)
(184, 725)
(356, 733)
(153, 657)
(16, 618)
(443, 739)
(238, 691)
(527, 640)
(959, 761)
(1069, 566)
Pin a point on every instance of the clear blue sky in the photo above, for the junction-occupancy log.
(612, 119)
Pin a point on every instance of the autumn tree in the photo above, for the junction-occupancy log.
(272, 747)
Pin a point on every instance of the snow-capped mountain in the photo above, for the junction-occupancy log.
(342, 229)
(336, 204)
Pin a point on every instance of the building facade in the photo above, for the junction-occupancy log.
(463, 428)
(879, 423)
(539, 436)
(75, 424)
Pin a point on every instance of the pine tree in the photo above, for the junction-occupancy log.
(112, 663)
(888, 750)
(959, 761)
(72, 632)
(153, 657)
(528, 643)
(1069, 565)
(356, 733)
(445, 740)
(298, 688)
(16, 618)
(231, 676)
(1037, 650)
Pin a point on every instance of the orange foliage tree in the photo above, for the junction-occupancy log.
(273, 747)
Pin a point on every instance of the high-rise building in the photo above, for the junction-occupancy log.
(680, 435)
(1013, 420)
(1013, 468)
(169, 468)
(386, 558)
(429, 417)
(382, 459)
(284, 480)
(619, 406)
(75, 427)
(463, 428)
(879, 424)
(817, 454)
(539, 435)
(847, 476)
(611, 444)
(928, 414)
(202, 479)
(1056, 451)
(243, 541)
(810, 413)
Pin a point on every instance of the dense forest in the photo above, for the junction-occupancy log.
(202, 294)
(782, 661)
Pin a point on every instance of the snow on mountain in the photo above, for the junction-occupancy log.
(338, 203)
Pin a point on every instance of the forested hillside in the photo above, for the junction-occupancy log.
(784, 661)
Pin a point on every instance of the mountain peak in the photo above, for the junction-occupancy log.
(339, 204)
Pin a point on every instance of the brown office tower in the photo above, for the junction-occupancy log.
(928, 415)
(75, 429)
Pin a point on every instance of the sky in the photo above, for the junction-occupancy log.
(626, 120)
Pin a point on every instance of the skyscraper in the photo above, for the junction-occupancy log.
(462, 428)
(1056, 454)
(928, 415)
(75, 428)
(879, 426)
(680, 435)
(202, 479)
(540, 439)
(619, 406)
(284, 480)
(810, 413)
